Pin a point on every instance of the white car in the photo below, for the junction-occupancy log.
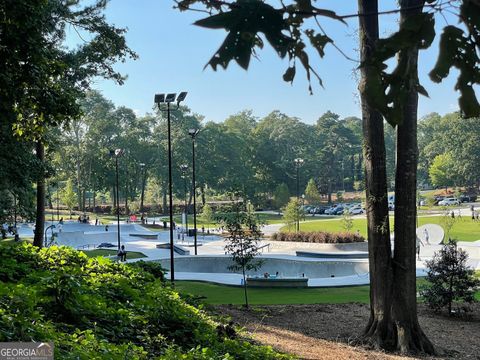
(357, 210)
(449, 201)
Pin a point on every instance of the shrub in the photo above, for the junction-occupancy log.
(98, 309)
(319, 237)
(450, 280)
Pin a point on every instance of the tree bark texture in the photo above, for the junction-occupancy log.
(410, 337)
(40, 215)
(380, 330)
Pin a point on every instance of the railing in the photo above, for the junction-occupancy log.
(87, 246)
(263, 247)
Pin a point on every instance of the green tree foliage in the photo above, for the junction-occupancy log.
(441, 171)
(347, 221)
(311, 192)
(292, 214)
(451, 281)
(207, 214)
(68, 196)
(242, 242)
(281, 196)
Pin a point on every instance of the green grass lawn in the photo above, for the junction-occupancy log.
(222, 294)
(216, 294)
(107, 252)
(464, 228)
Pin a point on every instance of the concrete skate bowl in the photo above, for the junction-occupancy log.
(286, 267)
(435, 233)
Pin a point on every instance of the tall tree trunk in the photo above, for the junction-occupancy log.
(410, 337)
(40, 216)
(142, 197)
(202, 192)
(379, 330)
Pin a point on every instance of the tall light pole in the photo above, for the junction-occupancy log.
(168, 99)
(117, 153)
(183, 169)
(298, 162)
(193, 133)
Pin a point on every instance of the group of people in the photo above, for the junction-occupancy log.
(419, 242)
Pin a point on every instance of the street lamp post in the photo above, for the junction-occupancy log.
(298, 162)
(117, 153)
(184, 168)
(168, 99)
(193, 133)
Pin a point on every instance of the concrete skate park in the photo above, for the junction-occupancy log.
(320, 265)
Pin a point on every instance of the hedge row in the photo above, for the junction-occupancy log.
(319, 237)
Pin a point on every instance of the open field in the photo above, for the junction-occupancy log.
(216, 294)
(222, 294)
(464, 229)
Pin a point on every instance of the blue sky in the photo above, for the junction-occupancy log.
(172, 54)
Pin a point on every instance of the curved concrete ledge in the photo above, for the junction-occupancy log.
(278, 282)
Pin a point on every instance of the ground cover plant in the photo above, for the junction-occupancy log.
(464, 229)
(98, 309)
(320, 237)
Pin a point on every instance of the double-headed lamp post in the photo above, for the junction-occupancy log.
(183, 169)
(116, 154)
(159, 100)
(193, 133)
(298, 162)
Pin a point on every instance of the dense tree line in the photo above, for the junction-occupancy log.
(243, 156)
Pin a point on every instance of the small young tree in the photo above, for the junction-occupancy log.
(69, 198)
(207, 214)
(292, 213)
(450, 279)
(347, 221)
(242, 242)
(312, 195)
(448, 220)
(281, 196)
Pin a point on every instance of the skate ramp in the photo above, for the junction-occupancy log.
(435, 234)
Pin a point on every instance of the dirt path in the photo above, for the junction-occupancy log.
(324, 331)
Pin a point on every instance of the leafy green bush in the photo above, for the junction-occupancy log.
(320, 237)
(98, 309)
(450, 280)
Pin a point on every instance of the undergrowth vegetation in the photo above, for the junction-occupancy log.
(320, 237)
(93, 308)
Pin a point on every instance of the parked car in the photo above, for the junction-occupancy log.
(338, 210)
(468, 198)
(330, 210)
(357, 210)
(449, 202)
(438, 198)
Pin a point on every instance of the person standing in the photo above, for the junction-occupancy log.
(426, 236)
(418, 243)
